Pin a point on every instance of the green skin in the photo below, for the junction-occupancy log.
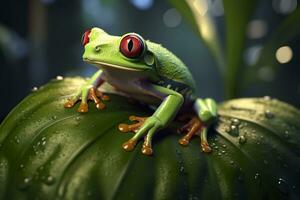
(157, 78)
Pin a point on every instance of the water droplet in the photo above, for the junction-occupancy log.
(269, 114)
(21, 166)
(44, 143)
(34, 89)
(44, 138)
(77, 118)
(286, 134)
(256, 176)
(54, 117)
(242, 139)
(282, 186)
(267, 98)
(223, 152)
(235, 122)
(224, 145)
(266, 162)
(50, 180)
(234, 130)
(181, 169)
(231, 162)
(25, 183)
(59, 78)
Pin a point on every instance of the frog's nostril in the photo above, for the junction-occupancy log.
(85, 37)
(97, 48)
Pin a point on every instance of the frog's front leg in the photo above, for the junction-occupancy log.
(89, 91)
(167, 110)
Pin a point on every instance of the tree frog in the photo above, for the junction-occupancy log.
(151, 74)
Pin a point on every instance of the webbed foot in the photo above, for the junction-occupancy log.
(194, 127)
(85, 94)
(125, 128)
(147, 126)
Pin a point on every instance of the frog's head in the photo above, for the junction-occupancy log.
(128, 52)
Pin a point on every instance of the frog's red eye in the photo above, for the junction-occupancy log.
(132, 46)
(85, 37)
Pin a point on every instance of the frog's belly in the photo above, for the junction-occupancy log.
(124, 83)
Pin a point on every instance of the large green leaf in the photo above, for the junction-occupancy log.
(48, 152)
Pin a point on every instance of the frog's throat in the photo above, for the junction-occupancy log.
(103, 64)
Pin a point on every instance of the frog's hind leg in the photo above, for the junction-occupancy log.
(191, 127)
(206, 111)
(195, 127)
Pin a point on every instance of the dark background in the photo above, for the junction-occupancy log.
(41, 39)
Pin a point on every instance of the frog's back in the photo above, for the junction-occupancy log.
(170, 67)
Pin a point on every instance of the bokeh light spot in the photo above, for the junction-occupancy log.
(142, 4)
(284, 54)
(172, 18)
(284, 6)
(266, 73)
(257, 29)
(252, 54)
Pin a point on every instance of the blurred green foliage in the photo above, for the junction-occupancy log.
(235, 72)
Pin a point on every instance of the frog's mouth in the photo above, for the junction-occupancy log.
(104, 64)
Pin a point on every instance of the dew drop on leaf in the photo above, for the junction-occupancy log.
(25, 183)
(181, 169)
(267, 98)
(242, 139)
(282, 186)
(54, 117)
(269, 114)
(286, 134)
(235, 122)
(59, 78)
(257, 176)
(50, 180)
(34, 89)
(77, 118)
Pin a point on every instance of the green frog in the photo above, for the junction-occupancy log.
(151, 74)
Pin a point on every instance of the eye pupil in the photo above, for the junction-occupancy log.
(130, 45)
